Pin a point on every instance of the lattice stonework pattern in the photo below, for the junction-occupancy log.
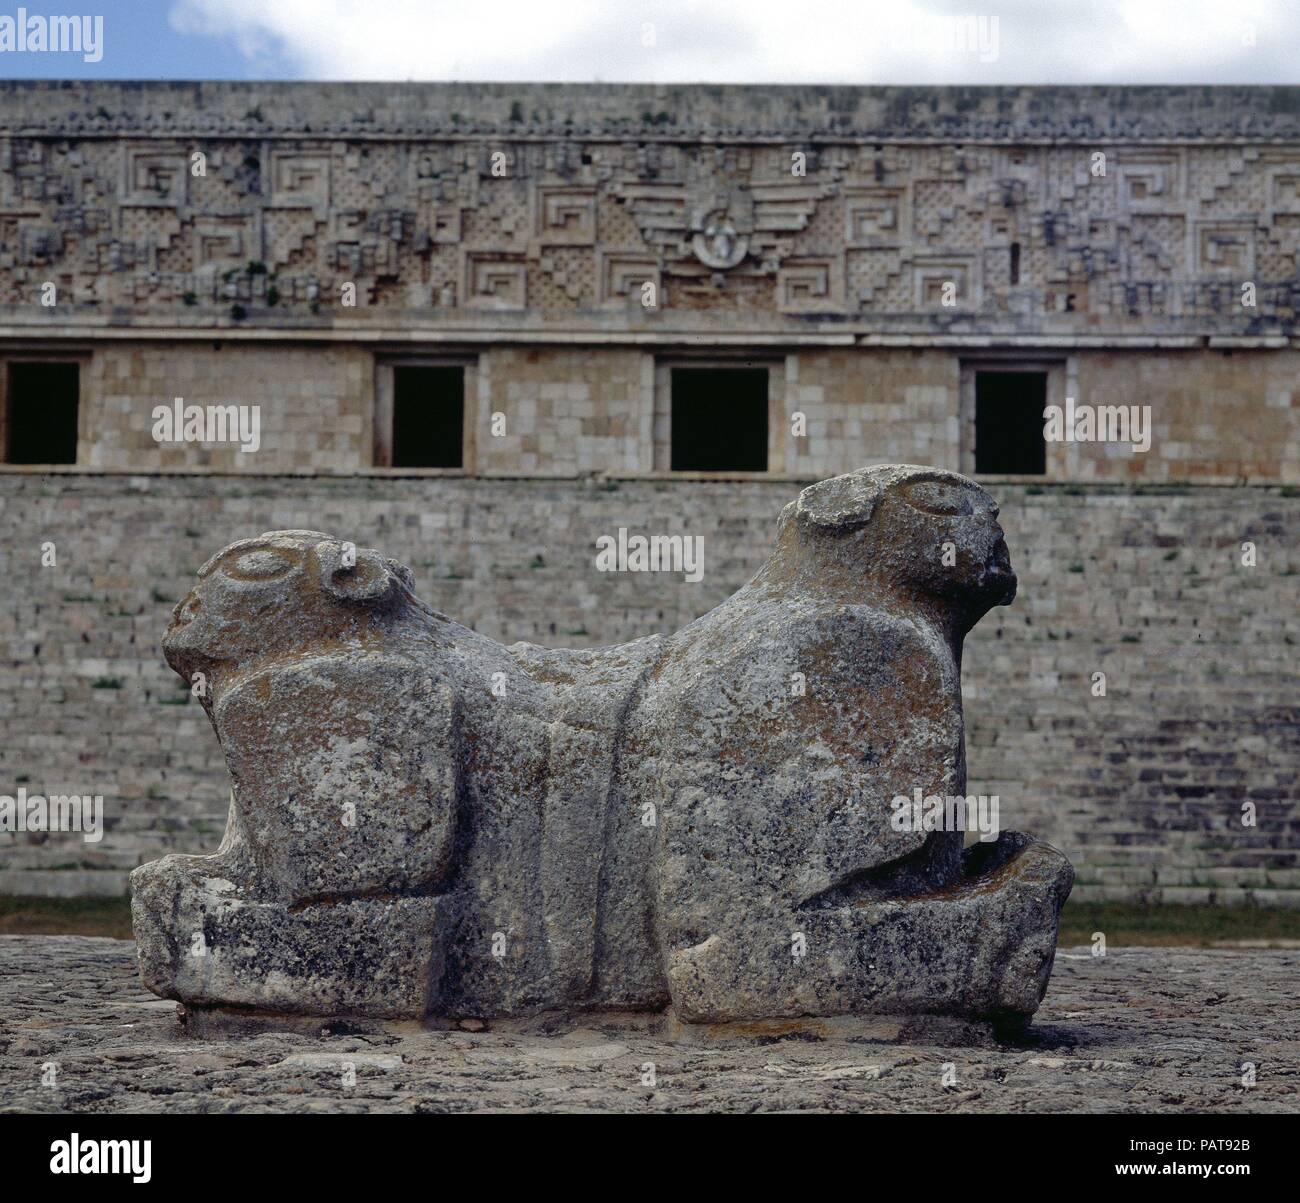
(523, 213)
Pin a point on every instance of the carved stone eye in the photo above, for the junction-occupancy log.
(264, 564)
(934, 497)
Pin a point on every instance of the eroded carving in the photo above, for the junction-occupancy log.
(424, 821)
(862, 229)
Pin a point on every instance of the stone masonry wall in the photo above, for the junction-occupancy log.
(316, 406)
(873, 247)
(567, 410)
(1216, 416)
(1143, 788)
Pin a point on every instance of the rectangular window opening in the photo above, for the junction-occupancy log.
(428, 416)
(1009, 423)
(719, 419)
(40, 424)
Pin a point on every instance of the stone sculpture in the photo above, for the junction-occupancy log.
(424, 822)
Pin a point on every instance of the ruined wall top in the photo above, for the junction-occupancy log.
(725, 112)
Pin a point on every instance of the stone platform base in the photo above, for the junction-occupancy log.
(230, 1023)
(1141, 1030)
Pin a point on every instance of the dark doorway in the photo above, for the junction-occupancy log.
(41, 413)
(719, 420)
(1009, 423)
(428, 417)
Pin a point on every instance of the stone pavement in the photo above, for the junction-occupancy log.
(1141, 1030)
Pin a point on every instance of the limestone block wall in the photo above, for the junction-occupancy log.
(874, 247)
(567, 410)
(1216, 416)
(1143, 787)
(316, 406)
(902, 405)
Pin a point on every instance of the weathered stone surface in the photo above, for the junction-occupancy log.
(396, 188)
(1139, 1031)
(357, 957)
(449, 826)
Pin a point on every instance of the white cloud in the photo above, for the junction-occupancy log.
(766, 41)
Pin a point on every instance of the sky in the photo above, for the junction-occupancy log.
(673, 41)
